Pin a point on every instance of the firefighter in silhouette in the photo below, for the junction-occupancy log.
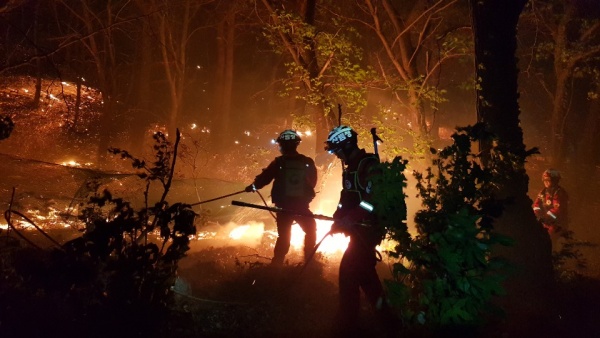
(294, 179)
(354, 217)
(551, 205)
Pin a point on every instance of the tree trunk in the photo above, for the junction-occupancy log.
(143, 98)
(38, 62)
(323, 121)
(76, 108)
(224, 71)
(583, 168)
(558, 119)
(529, 287)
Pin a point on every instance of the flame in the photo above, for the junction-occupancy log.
(254, 232)
(332, 244)
(239, 232)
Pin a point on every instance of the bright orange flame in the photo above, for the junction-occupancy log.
(336, 243)
(254, 232)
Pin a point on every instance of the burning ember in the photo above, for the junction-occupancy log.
(52, 218)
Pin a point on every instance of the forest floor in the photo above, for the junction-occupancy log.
(225, 289)
(228, 293)
(231, 291)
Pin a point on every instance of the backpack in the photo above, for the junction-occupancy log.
(291, 182)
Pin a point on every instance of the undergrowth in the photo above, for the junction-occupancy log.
(115, 275)
(446, 275)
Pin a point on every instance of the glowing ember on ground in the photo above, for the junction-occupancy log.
(52, 218)
(205, 235)
(71, 163)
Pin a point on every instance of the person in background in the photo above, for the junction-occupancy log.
(551, 206)
(355, 219)
(294, 179)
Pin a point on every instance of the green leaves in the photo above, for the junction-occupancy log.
(449, 275)
(389, 199)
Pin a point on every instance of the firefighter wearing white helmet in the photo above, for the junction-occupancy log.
(551, 205)
(294, 179)
(341, 139)
(357, 268)
(289, 136)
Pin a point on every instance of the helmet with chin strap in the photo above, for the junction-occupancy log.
(340, 137)
(288, 136)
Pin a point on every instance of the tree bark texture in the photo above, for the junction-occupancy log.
(530, 285)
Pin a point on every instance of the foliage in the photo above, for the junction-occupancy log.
(568, 253)
(389, 200)
(567, 39)
(127, 270)
(446, 275)
(577, 44)
(115, 273)
(341, 75)
(115, 230)
(400, 138)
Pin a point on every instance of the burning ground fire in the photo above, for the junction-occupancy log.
(231, 234)
(51, 219)
(252, 234)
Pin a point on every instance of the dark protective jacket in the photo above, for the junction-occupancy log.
(358, 265)
(294, 179)
(356, 197)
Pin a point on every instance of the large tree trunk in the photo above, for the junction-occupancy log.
(529, 287)
(558, 123)
(142, 97)
(224, 71)
(38, 62)
(323, 121)
(563, 68)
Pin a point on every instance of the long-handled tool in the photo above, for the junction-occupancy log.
(291, 212)
(277, 209)
(218, 198)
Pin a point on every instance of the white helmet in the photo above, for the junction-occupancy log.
(340, 136)
(288, 136)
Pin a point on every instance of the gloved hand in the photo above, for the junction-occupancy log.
(250, 188)
(343, 225)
